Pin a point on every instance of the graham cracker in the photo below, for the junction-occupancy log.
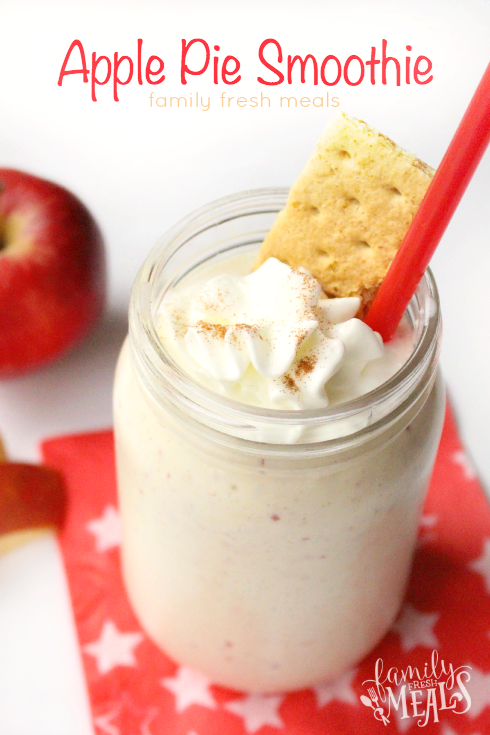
(349, 210)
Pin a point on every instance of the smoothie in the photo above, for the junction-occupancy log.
(272, 456)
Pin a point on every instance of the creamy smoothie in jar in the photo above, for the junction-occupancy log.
(272, 456)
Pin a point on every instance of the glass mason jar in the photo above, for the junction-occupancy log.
(269, 566)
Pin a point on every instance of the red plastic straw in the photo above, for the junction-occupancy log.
(434, 214)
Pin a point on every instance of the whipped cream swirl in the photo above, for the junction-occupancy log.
(273, 339)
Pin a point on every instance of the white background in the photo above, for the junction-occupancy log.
(140, 168)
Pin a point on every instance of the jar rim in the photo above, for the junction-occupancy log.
(188, 392)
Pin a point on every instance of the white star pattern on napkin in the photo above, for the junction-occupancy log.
(446, 730)
(482, 564)
(113, 648)
(415, 628)
(145, 725)
(340, 690)
(427, 523)
(479, 690)
(104, 723)
(106, 529)
(189, 687)
(461, 458)
(402, 724)
(257, 710)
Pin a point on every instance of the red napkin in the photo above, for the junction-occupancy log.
(445, 622)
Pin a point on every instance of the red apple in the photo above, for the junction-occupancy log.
(52, 271)
(32, 501)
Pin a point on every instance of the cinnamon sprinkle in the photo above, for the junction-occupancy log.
(215, 330)
(305, 366)
(301, 334)
(219, 331)
(290, 384)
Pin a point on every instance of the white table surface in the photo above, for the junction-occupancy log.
(140, 169)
